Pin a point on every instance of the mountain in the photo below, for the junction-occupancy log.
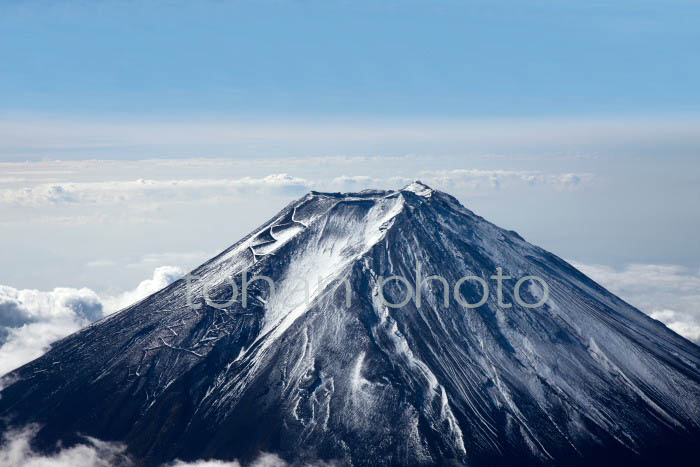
(582, 379)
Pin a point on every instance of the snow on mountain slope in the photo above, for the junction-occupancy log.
(585, 378)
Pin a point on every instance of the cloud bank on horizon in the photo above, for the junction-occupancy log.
(119, 192)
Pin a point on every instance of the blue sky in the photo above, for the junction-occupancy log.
(138, 139)
(314, 59)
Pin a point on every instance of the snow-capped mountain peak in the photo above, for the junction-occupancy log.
(311, 359)
(419, 188)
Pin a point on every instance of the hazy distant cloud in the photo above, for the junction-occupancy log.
(22, 137)
(171, 257)
(112, 192)
(358, 181)
(467, 180)
(669, 293)
(476, 179)
(81, 219)
(141, 191)
(30, 320)
(101, 263)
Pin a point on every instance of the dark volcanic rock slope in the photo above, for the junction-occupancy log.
(583, 379)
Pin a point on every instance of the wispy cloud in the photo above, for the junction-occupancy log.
(114, 192)
(474, 179)
(469, 180)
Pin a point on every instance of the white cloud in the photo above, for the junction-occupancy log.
(669, 293)
(31, 320)
(162, 276)
(264, 460)
(16, 451)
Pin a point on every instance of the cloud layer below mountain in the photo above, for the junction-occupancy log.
(30, 320)
(668, 293)
(16, 451)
